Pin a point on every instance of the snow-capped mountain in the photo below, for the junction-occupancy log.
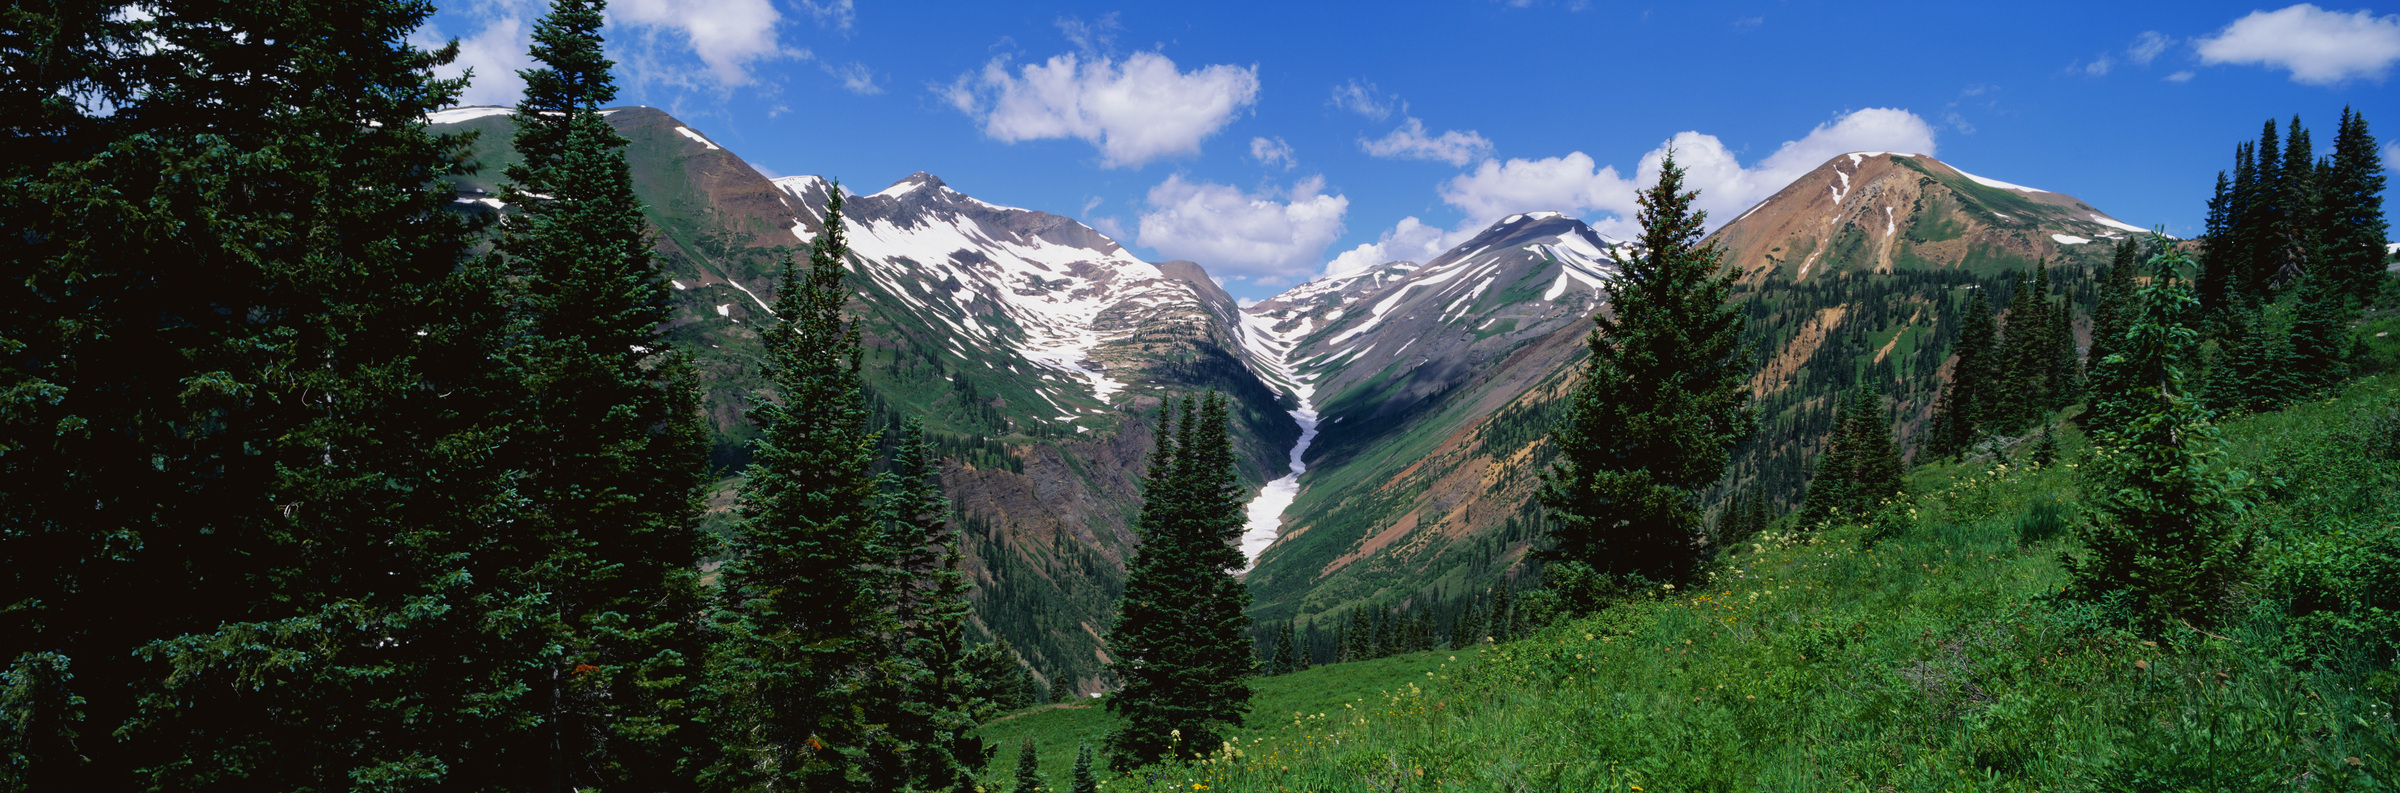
(1049, 291)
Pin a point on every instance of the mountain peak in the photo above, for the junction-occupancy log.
(912, 183)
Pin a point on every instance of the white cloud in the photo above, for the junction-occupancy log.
(2098, 66)
(2391, 156)
(495, 54)
(1091, 37)
(1269, 151)
(837, 14)
(2184, 76)
(1363, 99)
(1410, 142)
(1409, 240)
(727, 35)
(856, 78)
(2317, 46)
(1239, 234)
(1572, 184)
(1136, 111)
(2148, 46)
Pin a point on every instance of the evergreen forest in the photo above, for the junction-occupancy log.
(312, 479)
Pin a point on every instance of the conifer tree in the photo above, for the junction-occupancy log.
(995, 681)
(2320, 341)
(1287, 654)
(2166, 537)
(1029, 769)
(611, 442)
(1085, 780)
(1862, 465)
(2350, 211)
(2219, 254)
(2027, 355)
(246, 422)
(1958, 420)
(1181, 640)
(798, 604)
(2110, 320)
(1663, 401)
(919, 689)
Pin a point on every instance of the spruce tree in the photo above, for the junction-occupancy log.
(1029, 769)
(1862, 466)
(2166, 537)
(2219, 252)
(1960, 417)
(2027, 356)
(2350, 211)
(918, 691)
(1085, 780)
(1180, 643)
(1286, 654)
(2110, 320)
(1662, 403)
(247, 424)
(611, 443)
(798, 606)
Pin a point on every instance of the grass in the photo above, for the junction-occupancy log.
(1925, 648)
(1277, 704)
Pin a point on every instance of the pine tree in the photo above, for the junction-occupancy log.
(247, 422)
(2351, 210)
(2255, 372)
(1287, 653)
(1862, 467)
(2026, 358)
(1085, 780)
(2260, 233)
(2320, 344)
(2066, 362)
(919, 691)
(612, 444)
(2110, 321)
(2219, 251)
(995, 681)
(1662, 403)
(1181, 640)
(1959, 419)
(1029, 769)
(2296, 240)
(798, 606)
(2166, 537)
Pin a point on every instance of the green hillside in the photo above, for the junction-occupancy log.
(1928, 648)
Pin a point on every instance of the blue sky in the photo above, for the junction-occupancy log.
(1272, 141)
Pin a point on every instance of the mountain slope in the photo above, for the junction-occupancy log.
(1033, 347)
(1435, 399)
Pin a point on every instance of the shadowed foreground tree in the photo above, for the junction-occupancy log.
(1182, 640)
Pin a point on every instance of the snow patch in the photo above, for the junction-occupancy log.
(459, 115)
(1995, 183)
(2070, 239)
(2118, 224)
(679, 285)
(1889, 225)
(724, 309)
(687, 132)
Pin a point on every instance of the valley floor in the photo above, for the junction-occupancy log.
(1929, 651)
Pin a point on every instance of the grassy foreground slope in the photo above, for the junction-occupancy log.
(1924, 649)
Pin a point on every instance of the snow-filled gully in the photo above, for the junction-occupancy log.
(1265, 513)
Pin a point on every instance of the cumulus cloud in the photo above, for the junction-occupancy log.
(1577, 184)
(1269, 151)
(1410, 142)
(1137, 110)
(2317, 46)
(727, 35)
(1363, 99)
(1269, 236)
(1409, 240)
(2148, 46)
(494, 54)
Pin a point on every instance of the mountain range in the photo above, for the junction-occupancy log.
(1416, 396)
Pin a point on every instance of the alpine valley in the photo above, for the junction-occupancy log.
(1416, 396)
